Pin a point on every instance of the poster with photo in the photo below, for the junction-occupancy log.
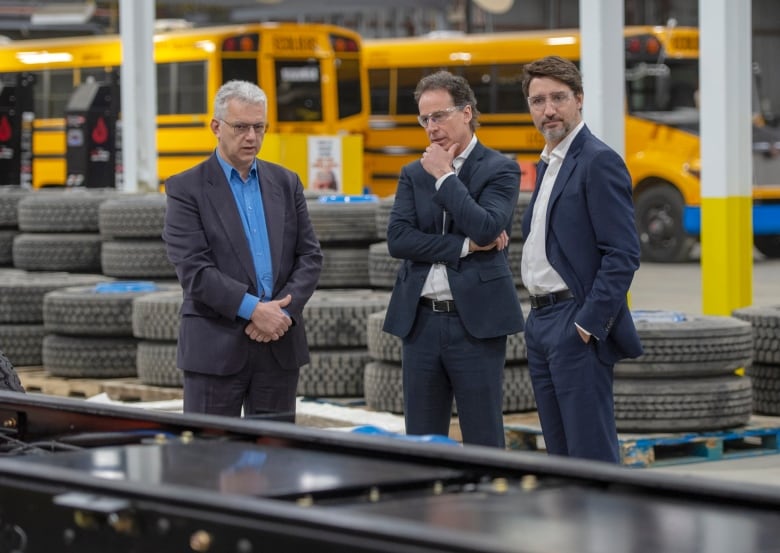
(325, 168)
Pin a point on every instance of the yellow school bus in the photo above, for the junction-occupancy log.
(313, 75)
(661, 122)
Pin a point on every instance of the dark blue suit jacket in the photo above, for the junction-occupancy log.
(592, 241)
(480, 202)
(206, 242)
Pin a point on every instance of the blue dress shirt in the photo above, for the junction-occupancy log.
(250, 206)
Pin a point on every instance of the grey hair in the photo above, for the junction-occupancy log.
(242, 91)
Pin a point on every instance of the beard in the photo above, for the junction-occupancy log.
(555, 134)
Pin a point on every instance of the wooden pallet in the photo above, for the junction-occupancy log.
(39, 381)
(761, 436)
(132, 389)
(36, 380)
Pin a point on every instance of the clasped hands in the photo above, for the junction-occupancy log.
(269, 322)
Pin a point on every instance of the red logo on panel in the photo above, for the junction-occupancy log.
(100, 132)
(5, 129)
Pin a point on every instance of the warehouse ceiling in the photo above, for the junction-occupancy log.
(20, 19)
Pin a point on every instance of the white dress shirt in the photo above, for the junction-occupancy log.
(537, 273)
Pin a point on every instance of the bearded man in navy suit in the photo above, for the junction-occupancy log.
(580, 254)
(238, 232)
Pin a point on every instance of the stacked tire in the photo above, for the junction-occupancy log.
(131, 227)
(10, 196)
(336, 328)
(156, 325)
(21, 310)
(691, 376)
(59, 231)
(90, 330)
(345, 227)
(765, 372)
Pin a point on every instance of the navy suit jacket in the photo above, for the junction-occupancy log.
(592, 241)
(480, 202)
(206, 242)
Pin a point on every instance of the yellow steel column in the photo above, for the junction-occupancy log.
(726, 159)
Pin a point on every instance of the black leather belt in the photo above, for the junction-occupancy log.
(439, 306)
(545, 300)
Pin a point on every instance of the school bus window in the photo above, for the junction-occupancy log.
(298, 94)
(52, 92)
(407, 82)
(181, 88)
(380, 91)
(508, 86)
(348, 79)
(239, 69)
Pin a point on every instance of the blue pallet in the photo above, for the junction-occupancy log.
(671, 449)
(679, 449)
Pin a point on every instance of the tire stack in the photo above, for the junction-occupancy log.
(90, 330)
(131, 227)
(10, 196)
(765, 372)
(691, 376)
(336, 325)
(60, 230)
(384, 377)
(21, 310)
(345, 230)
(156, 326)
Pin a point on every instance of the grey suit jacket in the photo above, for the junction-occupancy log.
(480, 202)
(206, 243)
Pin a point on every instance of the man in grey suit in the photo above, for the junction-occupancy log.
(238, 232)
(580, 254)
(454, 301)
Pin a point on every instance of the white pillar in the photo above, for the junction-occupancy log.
(138, 89)
(725, 63)
(603, 69)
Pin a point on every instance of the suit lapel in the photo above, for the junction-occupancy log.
(569, 163)
(221, 197)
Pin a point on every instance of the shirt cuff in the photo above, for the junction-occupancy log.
(247, 306)
(585, 331)
(464, 250)
(440, 180)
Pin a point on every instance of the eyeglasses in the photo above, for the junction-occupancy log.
(557, 99)
(240, 129)
(437, 117)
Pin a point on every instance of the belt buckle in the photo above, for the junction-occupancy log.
(436, 303)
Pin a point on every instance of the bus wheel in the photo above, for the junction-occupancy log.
(769, 245)
(659, 216)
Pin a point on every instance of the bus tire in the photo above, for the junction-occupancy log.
(769, 245)
(659, 222)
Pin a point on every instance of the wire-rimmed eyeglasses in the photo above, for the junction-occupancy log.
(240, 129)
(437, 117)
